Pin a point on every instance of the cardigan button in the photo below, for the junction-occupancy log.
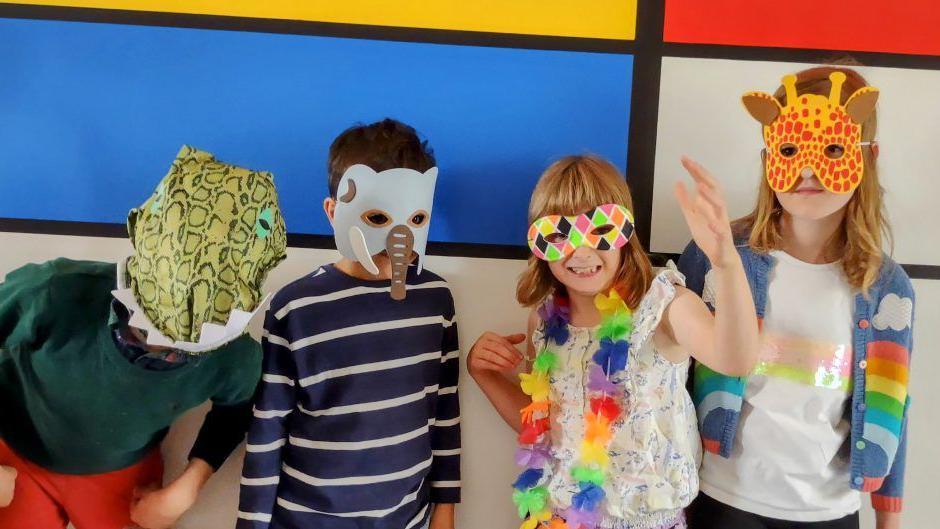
(863, 324)
(861, 406)
(863, 364)
(858, 480)
(860, 445)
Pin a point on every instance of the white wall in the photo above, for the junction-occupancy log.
(483, 289)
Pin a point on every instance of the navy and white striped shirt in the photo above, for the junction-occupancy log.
(357, 419)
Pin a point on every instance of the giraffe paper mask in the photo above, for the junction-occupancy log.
(390, 211)
(605, 227)
(813, 134)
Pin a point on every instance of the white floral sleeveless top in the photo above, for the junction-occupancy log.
(655, 451)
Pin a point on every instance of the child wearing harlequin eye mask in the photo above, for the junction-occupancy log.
(823, 414)
(607, 431)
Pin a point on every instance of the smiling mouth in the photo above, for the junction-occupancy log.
(584, 271)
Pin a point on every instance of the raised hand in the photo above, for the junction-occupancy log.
(707, 215)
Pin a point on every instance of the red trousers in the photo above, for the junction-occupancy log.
(47, 500)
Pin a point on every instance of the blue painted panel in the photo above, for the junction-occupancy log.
(92, 114)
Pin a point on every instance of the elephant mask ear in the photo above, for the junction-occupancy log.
(387, 211)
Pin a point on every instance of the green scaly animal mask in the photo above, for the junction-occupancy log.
(204, 243)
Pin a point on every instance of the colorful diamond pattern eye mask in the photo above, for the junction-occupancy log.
(813, 133)
(203, 244)
(555, 237)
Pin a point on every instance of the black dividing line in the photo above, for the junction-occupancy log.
(61, 227)
(919, 271)
(644, 113)
(325, 242)
(320, 29)
(446, 249)
(815, 56)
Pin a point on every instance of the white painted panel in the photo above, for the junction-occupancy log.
(700, 114)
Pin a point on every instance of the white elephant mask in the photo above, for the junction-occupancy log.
(390, 211)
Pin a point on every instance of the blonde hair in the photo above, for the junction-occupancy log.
(571, 186)
(864, 227)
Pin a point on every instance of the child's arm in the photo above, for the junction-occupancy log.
(275, 401)
(444, 474)
(7, 480)
(442, 517)
(727, 343)
(492, 362)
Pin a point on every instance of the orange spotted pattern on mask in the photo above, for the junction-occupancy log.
(815, 132)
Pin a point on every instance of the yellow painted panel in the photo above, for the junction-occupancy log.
(604, 19)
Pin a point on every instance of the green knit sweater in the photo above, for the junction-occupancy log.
(69, 400)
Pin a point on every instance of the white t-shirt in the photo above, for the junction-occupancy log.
(790, 458)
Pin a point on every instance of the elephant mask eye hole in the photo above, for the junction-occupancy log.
(376, 218)
(418, 218)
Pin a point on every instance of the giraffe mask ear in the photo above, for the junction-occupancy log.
(861, 104)
(762, 106)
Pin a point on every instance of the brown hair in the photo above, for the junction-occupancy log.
(574, 185)
(383, 145)
(864, 227)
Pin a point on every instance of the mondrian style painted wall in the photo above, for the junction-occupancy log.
(97, 96)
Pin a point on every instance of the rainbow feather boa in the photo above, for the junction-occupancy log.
(530, 495)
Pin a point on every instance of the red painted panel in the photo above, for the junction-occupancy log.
(892, 26)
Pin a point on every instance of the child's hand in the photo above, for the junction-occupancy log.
(7, 481)
(707, 215)
(442, 517)
(160, 508)
(493, 352)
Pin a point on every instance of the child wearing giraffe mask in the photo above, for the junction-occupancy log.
(607, 430)
(822, 417)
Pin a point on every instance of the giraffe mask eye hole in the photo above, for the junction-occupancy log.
(788, 150)
(834, 151)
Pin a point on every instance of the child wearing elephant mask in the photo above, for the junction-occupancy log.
(357, 418)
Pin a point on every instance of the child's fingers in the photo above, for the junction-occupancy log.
(493, 347)
(708, 215)
(698, 172)
(714, 199)
(507, 353)
(490, 366)
(515, 338)
(685, 202)
(491, 360)
(507, 345)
